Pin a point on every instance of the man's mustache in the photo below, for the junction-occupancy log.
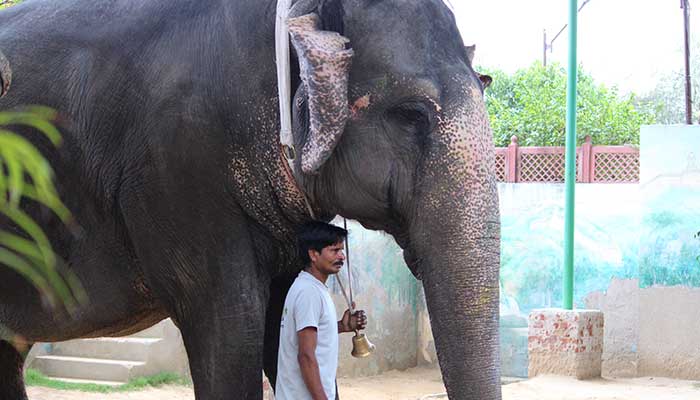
(338, 263)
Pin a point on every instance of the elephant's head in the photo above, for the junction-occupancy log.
(394, 133)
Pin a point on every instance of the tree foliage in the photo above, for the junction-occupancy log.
(669, 92)
(7, 3)
(25, 175)
(531, 104)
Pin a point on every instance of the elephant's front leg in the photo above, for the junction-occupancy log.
(209, 279)
(224, 333)
(11, 372)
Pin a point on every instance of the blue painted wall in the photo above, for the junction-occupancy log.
(668, 252)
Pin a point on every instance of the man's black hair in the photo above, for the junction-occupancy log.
(316, 235)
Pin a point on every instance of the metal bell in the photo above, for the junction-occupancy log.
(361, 346)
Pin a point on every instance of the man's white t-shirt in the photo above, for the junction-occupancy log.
(308, 304)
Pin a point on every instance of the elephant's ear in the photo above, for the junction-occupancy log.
(485, 79)
(324, 66)
(5, 75)
(470, 53)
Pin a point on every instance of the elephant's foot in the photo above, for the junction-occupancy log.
(11, 373)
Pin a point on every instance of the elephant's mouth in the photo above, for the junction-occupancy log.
(410, 257)
(413, 263)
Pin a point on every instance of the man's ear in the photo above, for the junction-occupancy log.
(313, 255)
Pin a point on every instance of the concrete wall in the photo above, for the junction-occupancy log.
(650, 331)
(383, 286)
(669, 344)
(170, 354)
(621, 307)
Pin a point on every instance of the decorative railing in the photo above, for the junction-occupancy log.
(594, 164)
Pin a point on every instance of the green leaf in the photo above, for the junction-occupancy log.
(15, 179)
(22, 246)
(29, 272)
(37, 117)
(24, 172)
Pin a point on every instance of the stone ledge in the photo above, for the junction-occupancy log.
(565, 342)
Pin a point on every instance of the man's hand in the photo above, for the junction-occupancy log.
(351, 323)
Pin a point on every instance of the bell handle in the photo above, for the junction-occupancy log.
(342, 289)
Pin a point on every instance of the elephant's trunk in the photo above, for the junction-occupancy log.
(455, 246)
(462, 296)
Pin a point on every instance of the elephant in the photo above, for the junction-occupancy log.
(185, 205)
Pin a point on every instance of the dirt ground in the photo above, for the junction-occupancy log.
(424, 384)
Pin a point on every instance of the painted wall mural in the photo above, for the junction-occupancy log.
(670, 183)
(532, 218)
(384, 287)
(532, 255)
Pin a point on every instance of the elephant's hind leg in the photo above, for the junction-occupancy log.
(11, 373)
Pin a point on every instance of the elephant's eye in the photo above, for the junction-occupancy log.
(412, 115)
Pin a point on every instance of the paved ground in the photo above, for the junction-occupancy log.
(423, 384)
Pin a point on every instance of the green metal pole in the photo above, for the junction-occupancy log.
(570, 180)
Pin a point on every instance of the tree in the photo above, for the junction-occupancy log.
(25, 175)
(7, 3)
(669, 92)
(531, 104)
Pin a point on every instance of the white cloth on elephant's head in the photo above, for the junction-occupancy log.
(308, 304)
(449, 5)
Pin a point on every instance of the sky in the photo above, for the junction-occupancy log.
(625, 43)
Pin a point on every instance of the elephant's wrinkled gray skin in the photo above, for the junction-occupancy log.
(171, 165)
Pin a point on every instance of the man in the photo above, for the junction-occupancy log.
(308, 351)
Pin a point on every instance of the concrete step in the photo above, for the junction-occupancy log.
(88, 368)
(124, 349)
(157, 331)
(85, 381)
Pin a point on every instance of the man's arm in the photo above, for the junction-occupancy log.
(308, 364)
